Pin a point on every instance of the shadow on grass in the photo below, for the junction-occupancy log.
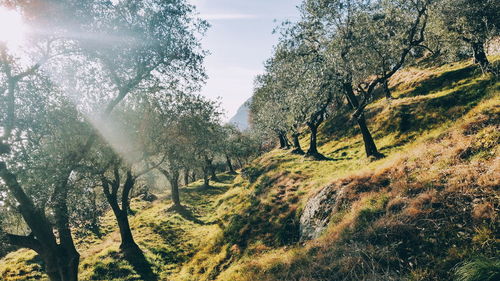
(134, 255)
(225, 178)
(186, 213)
(204, 190)
(407, 120)
(319, 157)
(444, 81)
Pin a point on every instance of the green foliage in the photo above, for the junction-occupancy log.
(472, 21)
(68, 104)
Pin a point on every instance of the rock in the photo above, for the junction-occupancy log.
(318, 210)
(148, 197)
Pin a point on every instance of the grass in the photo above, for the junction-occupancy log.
(478, 269)
(429, 208)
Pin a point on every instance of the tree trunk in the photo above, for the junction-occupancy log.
(210, 168)
(68, 254)
(131, 251)
(313, 145)
(287, 142)
(61, 259)
(240, 164)
(479, 55)
(370, 146)
(387, 91)
(173, 179)
(186, 177)
(127, 239)
(193, 176)
(174, 186)
(61, 267)
(296, 144)
(121, 214)
(230, 165)
(206, 180)
(282, 141)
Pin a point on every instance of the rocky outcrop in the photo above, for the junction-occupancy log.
(318, 210)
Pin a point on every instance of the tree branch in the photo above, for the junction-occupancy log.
(24, 241)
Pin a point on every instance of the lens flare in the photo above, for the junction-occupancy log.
(12, 28)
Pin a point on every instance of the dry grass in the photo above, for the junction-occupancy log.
(431, 203)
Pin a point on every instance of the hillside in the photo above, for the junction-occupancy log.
(427, 211)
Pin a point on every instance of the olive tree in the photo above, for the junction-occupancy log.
(200, 125)
(368, 42)
(268, 109)
(473, 22)
(238, 147)
(300, 84)
(96, 53)
(165, 137)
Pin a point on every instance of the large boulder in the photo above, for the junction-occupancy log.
(318, 211)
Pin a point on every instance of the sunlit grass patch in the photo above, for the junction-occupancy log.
(22, 265)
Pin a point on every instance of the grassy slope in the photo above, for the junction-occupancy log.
(430, 204)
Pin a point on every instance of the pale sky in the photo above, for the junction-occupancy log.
(240, 40)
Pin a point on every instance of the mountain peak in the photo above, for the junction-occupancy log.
(240, 119)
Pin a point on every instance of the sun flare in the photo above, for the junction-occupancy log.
(12, 27)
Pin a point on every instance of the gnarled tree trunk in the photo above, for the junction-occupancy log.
(206, 179)
(296, 144)
(186, 177)
(61, 258)
(479, 55)
(210, 168)
(313, 144)
(370, 146)
(314, 122)
(128, 246)
(173, 179)
(230, 165)
(121, 213)
(284, 143)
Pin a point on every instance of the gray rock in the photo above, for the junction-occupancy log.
(148, 197)
(318, 210)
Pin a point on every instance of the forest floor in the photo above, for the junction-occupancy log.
(427, 211)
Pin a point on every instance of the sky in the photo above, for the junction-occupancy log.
(240, 39)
